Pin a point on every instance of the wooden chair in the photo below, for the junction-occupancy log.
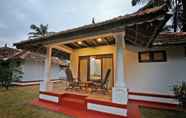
(103, 85)
(71, 82)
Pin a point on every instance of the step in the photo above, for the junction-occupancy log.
(74, 104)
(73, 101)
(77, 96)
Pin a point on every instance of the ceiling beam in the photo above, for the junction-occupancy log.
(76, 45)
(63, 48)
(69, 45)
(106, 41)
(87, 43)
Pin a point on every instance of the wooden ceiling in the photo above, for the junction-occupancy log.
(143, 34)
(92, 43)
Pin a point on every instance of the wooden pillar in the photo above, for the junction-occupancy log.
(46, 85)
(119, 91)
(74, 64)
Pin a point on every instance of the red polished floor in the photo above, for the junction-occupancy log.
(133, 109)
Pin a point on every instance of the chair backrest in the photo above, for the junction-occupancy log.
(69, 74)
(106, 77)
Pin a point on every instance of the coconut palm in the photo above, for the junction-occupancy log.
(38, 31)
(177, 7)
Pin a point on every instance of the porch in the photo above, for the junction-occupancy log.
(86, 67)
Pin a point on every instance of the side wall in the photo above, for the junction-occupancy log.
(34, 71)
(155, 77)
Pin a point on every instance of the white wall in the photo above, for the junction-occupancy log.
(155, 77)
(35, 71)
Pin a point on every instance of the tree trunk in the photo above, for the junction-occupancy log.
(1, 82)
(6, 85)
(184, 15)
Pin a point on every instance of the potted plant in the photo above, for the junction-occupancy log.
(180, 93)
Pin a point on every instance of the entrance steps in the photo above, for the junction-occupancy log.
(74, 101)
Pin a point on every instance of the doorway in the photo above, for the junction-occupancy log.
(95, 67)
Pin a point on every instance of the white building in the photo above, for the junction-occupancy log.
(33, 65)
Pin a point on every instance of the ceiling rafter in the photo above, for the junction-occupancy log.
(87, 43)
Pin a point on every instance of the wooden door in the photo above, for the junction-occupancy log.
(107, 64)
(83, 69)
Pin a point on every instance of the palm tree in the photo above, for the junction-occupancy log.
(38, 31)
(177, 7)
(184, 15)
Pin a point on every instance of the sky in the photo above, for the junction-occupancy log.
(16, 16)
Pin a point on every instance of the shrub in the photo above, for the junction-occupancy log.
(9, 71)
(180, 93)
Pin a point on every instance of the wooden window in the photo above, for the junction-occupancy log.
(159, 56)
(152, 56)
(144, 56)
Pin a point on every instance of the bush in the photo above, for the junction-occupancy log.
(10, 71)
(180, 93)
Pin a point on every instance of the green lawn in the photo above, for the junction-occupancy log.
(16, 103)
(156, 113)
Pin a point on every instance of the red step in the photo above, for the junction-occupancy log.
(77, 96)
(73, 101)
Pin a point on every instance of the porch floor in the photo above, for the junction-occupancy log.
(59, 88)
(133, 109)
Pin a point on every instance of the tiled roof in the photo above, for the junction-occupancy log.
(6, 52)
(170, 38)
(11, 53)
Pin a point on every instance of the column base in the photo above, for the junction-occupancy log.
(43, 86)
(50, 86)
(120, 95)
(46, 86)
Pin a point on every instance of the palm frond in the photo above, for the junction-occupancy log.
(167, 28)
(38, 31)
(135, 2)
(175, 6)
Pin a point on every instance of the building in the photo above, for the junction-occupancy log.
(33, 65)
(144, 63)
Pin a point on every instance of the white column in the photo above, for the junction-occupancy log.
(119, 91)
(46, 85)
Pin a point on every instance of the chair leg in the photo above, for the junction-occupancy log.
(104, 92)
(92, 90)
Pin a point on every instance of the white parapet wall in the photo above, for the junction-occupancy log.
(106, 106)
(153, 99)
(26, 83)
(107, 109)
(50, 98)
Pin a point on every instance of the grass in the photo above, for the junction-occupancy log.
(16, 103)
(157, 113)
